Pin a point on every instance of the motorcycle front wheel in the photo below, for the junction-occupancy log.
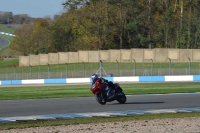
(100, 99)
(122, 98)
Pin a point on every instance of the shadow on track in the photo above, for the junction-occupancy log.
(138, 103)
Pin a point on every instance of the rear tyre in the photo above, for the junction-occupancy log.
(122, 98)
(100, 99)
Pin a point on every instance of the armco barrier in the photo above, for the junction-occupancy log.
(135, 79)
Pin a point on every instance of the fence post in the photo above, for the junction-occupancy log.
(134, 67)
(151, 67)
(30, 71)
(83, 69)
(14, 71)
(189, 65)
(66, 69)
(169, 66)
(117, 67)
(101, 65)
(48, 70)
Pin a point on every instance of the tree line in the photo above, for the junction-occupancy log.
(10, 18)
(113, 24)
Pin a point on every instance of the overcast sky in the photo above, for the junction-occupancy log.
(34, 8)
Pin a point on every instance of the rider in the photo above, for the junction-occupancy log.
(95, 79)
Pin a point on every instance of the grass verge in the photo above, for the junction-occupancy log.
(9, 63)
(76, 121)
(63, 91)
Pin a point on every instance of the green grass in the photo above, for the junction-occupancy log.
(76, 121)
(9, 63)
(64, 91)
(7, 29)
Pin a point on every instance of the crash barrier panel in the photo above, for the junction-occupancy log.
(113, 55)
(135, 79)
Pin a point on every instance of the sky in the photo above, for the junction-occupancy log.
(34, 8)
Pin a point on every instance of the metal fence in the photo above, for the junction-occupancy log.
(83, 70)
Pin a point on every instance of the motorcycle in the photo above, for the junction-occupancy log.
(102, 95)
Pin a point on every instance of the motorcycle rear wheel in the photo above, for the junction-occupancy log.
(100, 99)
(122, 98)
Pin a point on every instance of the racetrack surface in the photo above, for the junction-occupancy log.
(12, 108)
(3, 42)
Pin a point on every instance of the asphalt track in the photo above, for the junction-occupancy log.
(3, 42)
(13, 108)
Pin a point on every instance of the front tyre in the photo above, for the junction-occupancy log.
(100, 99)
(121, 98)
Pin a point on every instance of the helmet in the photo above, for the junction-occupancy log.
(94, 77)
